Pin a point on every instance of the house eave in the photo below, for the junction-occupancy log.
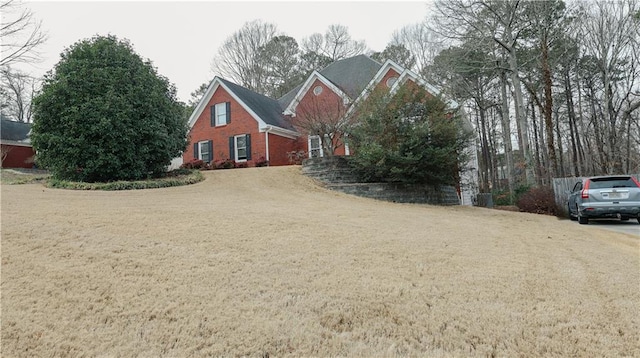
(280, 131)
(213, 86)
(15, 143)
(291, 108)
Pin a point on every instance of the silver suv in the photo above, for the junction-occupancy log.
(605, 197)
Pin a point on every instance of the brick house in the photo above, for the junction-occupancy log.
(15, 146)
(233, 122)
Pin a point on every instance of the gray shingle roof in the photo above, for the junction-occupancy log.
(288, 97)
(352, 74)
(16, 131)
(268, 109)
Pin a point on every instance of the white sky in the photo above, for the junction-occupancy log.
(182, 38)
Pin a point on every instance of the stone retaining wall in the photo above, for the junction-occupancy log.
(336, 174)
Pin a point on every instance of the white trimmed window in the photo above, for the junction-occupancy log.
(203, 150)
(315, 147)
(240, 147)
(221, 114)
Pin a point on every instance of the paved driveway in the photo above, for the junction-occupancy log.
(629, 227)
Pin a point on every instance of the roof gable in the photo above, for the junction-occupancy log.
(404, 76)
(407, 75)
(291, 108)
(353, 74)
(266, 111)
(350, 76)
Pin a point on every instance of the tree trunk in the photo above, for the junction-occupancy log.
(561, 171)
(486, 153)
(548, 108)
(573, 131)
(599, 138)
(536, 142)
(521, 117)
(506, 133)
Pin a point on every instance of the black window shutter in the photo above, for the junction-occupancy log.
(248, 146)
(213, 116)
(210, 151)
(228, 104)
(232, 147)
(195, 150)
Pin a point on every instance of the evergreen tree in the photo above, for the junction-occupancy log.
(104, 114)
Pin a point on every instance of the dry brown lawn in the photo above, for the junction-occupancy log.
(263, 262)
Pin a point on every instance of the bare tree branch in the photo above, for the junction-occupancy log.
(21, 34)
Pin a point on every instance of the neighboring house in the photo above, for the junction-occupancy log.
(233, 122)
(15, 146)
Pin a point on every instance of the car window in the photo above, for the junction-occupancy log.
(614, 182)
(577, 187)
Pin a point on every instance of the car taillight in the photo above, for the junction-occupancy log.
(636, 181)
(585, 190)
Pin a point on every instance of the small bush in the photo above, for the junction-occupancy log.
(195, 164)
(262, 162)
(540, 200)
(240, 165)
(502, 197)
(296, 157)
(223, 164)
(181, 177)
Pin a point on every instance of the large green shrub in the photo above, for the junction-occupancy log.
(104, 114)
(408, 137)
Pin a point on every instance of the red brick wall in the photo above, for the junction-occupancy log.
(279, 147)
(383, 83)
(328, 103)
(241, 123)
(18, 156)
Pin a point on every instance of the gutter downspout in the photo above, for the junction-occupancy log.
(266, 141)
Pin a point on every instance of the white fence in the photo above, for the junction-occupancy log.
(562, 187)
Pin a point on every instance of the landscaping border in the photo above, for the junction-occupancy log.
(336, 174)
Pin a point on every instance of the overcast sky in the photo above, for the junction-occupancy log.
(182, 38)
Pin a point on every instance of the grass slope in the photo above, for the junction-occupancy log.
(261, 261)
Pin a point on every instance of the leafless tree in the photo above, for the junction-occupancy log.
(336, 43)
(324, 117)
(4, 153)
(238, 59)
(16, 92)
(611, 37)
(421, 41)
(21, 34)
(502, 22)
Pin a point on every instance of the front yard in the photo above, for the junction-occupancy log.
(263, 262)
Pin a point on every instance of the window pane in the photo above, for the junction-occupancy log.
(204, 147)
(204, 151)
(221, 114)
(241, 142)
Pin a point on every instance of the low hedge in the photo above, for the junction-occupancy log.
(175, 178)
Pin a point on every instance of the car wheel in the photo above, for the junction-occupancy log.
(581, 219)
(571, 216)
